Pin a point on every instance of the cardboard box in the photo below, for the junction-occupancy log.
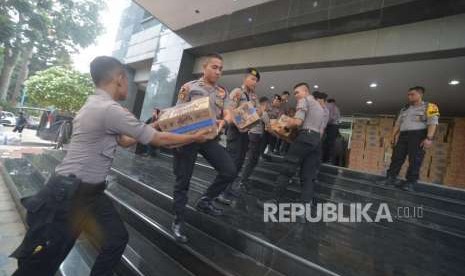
(189, 118)
(245, 115)
(278, 127)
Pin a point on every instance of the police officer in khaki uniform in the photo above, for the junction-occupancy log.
(255, 141)
(74, 196)
(238, 139)
(305, 151)
(412, 134)
(216, 155)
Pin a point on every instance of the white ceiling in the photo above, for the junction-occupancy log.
(350, 85)
(177, 14)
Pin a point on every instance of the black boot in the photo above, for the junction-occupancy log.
(205, 205)
(407, 186)
(223, 198)
(388, 181)
(178, 233)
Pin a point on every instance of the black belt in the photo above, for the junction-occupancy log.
(85, 187)
(308, 131)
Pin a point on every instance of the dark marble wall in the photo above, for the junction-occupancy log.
(292, 20)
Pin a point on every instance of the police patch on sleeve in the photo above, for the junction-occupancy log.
(183, 94)
(432, 110)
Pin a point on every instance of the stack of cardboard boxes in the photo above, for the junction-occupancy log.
(455, 173)
(369, 141)
(371, 150)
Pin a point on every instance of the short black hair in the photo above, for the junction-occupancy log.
(287, 93)
(212, 55)
(319, 95)
(418, 88)
(102, 68)
(331, 100)
(263, 99)
(302, 84)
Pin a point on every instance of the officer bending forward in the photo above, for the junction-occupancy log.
(73, 199)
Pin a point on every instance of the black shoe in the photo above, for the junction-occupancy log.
(266, 157)
(178, 234)
(388, 181)
(205, 205)
(407, 186)
(244, 186)
(224, 199)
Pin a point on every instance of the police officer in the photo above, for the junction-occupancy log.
(255, 141)
(237, 139)
(269, 139)
(331, 133)
(216, 155)
(305, 151)
(412, 134)
(73, 199)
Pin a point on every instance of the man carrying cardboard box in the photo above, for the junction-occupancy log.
(305, 151)
(216, 155)
(237, 138)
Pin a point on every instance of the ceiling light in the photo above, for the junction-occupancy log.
(316, 86)
(369, 102)
(373, 85)
(454, 82)
(250, 19)
(271, 87)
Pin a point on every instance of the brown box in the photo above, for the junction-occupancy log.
(189, 117)
(245, 115)
(278, 127)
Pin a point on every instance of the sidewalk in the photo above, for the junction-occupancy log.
(11, 230)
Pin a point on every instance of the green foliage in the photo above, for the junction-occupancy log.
(7, 106)
(60, 87)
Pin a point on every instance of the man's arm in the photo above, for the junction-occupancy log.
(125, 141)
(294, 122)
(166, 139)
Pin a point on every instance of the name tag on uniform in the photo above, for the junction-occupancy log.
(419, 118)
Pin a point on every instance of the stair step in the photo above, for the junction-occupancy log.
(203, 255)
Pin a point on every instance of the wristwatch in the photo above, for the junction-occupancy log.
(429, 138)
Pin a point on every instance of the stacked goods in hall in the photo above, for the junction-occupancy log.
(374, 150)
(357, 144)
(455, 174)
(386, 125)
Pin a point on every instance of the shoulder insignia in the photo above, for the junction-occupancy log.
(432, 110)
(183, 93)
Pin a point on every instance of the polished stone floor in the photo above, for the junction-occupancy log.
(396, 248)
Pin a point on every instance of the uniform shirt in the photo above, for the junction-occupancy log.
(311, 113)
(285, 107)
(240, 95)
(93, 143)
(334, 114)
(418, 117)
(259, 128)
(326, 117)
(198, 88)
(274, 113)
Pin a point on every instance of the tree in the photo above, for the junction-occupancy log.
(48, 29)
(63, 88)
